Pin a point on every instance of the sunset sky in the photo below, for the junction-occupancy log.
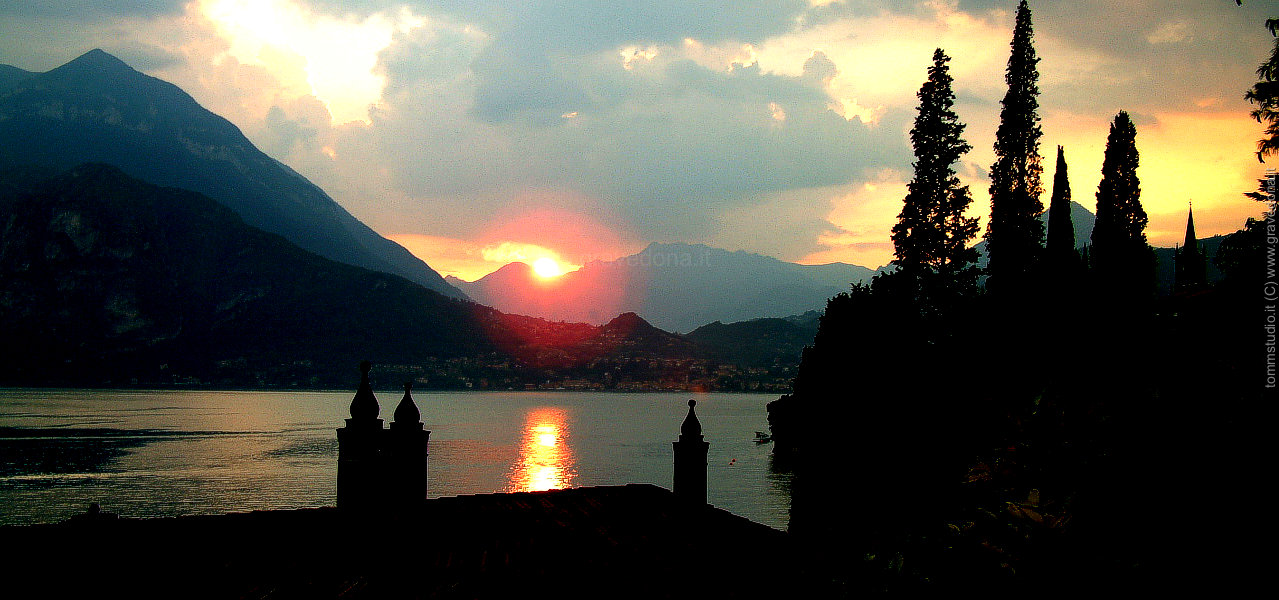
(478, 132)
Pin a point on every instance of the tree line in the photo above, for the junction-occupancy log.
(1027, 431)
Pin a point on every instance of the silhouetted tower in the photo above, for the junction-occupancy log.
(407, 462)
(690, 459)
(1190, 271)
(360, 450)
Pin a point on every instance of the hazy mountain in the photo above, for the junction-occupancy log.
(96, 109)
(677, 287)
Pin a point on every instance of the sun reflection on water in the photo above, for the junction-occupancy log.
(546, 460)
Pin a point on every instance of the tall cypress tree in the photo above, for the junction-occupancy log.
(1061, 230)
(1119, 251)
(931, 238)
(1015, 235)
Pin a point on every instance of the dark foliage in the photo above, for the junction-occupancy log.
(1265, 94)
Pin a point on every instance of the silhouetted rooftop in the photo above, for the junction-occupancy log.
(633, 541)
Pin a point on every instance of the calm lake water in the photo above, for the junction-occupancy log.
(162, 453)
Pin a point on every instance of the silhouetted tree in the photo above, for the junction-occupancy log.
(1015, 236)
(1265, 94)
(932, 236)
(1120, 255)
(1061, 251)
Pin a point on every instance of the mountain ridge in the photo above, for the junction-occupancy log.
(97, 109)
(676, 286)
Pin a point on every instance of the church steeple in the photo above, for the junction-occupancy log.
(1191, 241)
(1190, 270)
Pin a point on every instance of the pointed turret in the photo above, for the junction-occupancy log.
(692, 428)
(690, 459)
(407, 411)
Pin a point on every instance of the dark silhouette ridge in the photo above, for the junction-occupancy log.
(631, 541)
(98, 109)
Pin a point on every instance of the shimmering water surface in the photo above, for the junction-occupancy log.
(159, 453)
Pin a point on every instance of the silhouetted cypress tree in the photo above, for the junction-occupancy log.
(1061, 230)
(1119, 251)
(932, 235)
(1015, 235)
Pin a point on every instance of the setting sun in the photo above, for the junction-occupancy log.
(547, 268)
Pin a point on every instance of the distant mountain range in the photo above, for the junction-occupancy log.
(677, 287)
(108, 280)
(96, 109)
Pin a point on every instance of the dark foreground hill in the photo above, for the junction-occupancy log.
(98, 109)
(634, 541)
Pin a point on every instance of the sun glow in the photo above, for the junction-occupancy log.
(339, 55)
(547, 268)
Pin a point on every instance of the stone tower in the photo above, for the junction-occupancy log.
(690, 459)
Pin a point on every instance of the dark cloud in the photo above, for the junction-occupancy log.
(90, 9)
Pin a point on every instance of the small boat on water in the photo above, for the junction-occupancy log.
(762, 438)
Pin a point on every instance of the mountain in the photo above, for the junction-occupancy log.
(676, 287)
(96, 109)
(109, 280)
(758, 342)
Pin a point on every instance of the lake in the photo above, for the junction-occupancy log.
(166, 453)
